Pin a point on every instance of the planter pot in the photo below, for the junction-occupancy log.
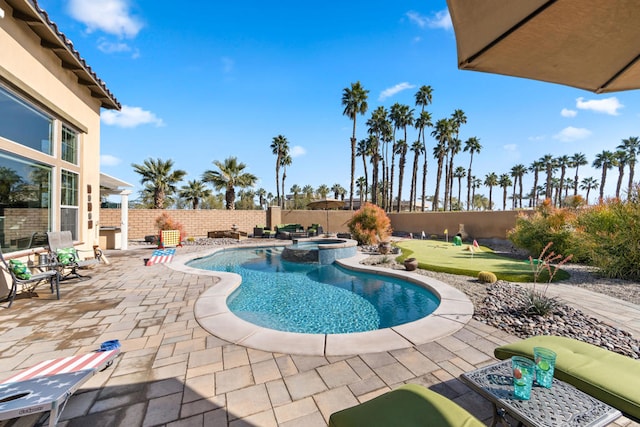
(384, 247)
(410, 264)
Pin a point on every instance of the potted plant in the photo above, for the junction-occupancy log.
(410, 264)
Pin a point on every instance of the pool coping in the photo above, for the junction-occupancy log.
(213, 314)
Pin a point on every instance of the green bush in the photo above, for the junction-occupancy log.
(369, 225)
(487, 277)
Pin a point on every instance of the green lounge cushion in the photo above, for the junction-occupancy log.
(610, 377)
(407, 406)
(19, 269)
(66, 256)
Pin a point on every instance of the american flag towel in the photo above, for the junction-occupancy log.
(89, 361)
(161, 255)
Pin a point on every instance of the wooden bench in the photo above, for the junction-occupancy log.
(609, 377)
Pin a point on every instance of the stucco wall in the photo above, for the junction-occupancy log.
(480, 225)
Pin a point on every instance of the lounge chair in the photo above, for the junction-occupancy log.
(61, 246)
(48, 385)
(21, 275)
(407, 406)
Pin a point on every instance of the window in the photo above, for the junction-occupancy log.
(25, 202)
(69, 202)
(69, 145)
(24, 124)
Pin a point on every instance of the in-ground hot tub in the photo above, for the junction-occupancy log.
(322, 251)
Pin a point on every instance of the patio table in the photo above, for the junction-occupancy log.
(560, 405)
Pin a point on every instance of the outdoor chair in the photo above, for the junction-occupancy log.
(21, 275)
(67, 256)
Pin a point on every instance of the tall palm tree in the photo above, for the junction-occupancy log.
(378, 126)
(160, 180)
(605, 162)
(230, 174)
(549, 165)
(562, 162)
(517, 172)
(295, 190)
(589, 184)
(262, 194)
(354, 100)
(280, 148)
(577, 160)
(442, 132)
(194, 192)
(423, 122)
(536, 167)
(362, 188)
(632, 146)
(395, 116)
(417, 147)
(472, 145)
(459, 173)
(363, 150)
(458, 118)
(401, 146)
(619, 160)
(475, 184)
(284, 162)
(504, 181)
(491, 180)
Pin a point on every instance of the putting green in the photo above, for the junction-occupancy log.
(438, 255)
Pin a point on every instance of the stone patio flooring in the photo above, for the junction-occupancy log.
(172, 372)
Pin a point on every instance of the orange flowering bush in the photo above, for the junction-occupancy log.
(370, 224)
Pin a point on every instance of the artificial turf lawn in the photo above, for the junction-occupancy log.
(438, 255)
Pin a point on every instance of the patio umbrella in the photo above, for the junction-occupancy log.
(587, 44)
(326, 204)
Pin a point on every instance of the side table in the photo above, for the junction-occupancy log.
(560, 405)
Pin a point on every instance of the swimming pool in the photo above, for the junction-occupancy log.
(314, 298)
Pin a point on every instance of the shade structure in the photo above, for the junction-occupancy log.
(326, 204)
(587, 44)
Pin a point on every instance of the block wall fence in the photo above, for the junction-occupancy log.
(478, 225)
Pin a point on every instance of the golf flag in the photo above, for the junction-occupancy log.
(446, 231)
(475, 243)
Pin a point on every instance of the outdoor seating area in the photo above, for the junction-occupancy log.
(68, 257)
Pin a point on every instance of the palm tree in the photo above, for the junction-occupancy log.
(577, 160)
(354, 100)
(279, 147)
(458, 118)
(338, 190)
(378, 127)
(308, 191)
(536, 167)
(620, 160)
(284, 162)
(632, 146)
(603, 161)
(588, 184)
(401, 146)
(491, 180)
(549, 164)
(361, 184)
(363, 150)
(421, 123)
(322, 191)
(517, 172)
(296, 190)
(459, 173)
(472, 145)
(193, 192)
(562, 162)
(230, 174)
(442, 133)
(161, 181)
(504, 181)
(262, 194)
(418, 148)
(475, 184)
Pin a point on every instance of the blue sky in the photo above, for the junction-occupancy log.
(211, 80)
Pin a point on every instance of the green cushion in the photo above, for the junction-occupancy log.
(603, 374)
(20, 270)
(407, 406)
(66, 255)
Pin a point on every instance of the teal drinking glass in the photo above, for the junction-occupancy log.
(545, 360)
(523, 370)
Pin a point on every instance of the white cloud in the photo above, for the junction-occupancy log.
(510, 147)
(395, 89)
(537, 138)
(109, 160)
(606, 106)
(130, 117)
(568, 113)
(110, 16)
(570, 133)
(440, 19)
(297, 151)
(227, 64)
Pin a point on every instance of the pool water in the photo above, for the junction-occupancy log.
(314, 298)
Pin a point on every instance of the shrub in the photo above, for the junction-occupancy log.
(165, 222)
(487, 277)
(546, 264)
(370, 224)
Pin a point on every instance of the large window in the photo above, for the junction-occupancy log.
(23, 124)
(69, 145)
(25, 202)
(69, 202)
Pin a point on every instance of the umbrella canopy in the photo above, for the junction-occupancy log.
(588, 44)
(326, 204)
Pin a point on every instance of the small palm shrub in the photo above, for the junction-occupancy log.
(370, 224)
(487, 277)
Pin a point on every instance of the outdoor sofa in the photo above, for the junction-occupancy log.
(609, 377)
